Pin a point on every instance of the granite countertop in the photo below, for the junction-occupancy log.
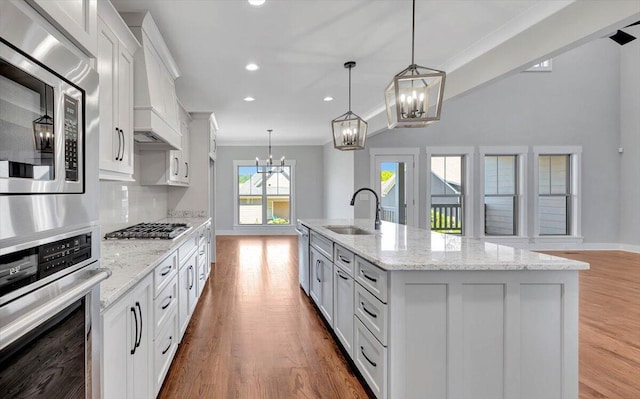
(399, 247)
(131, 260)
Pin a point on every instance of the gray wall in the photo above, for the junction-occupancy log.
(338, 183)
(309, 178)
(576, 104)
(630, 141)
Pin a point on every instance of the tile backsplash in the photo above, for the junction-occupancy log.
(172, 213)
(124, 204)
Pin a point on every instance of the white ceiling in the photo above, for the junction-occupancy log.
(301, 45)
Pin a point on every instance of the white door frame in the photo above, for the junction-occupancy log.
(413, 197)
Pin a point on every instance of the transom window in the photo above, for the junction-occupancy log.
(554, 194)
(447, 193)
(263, 195)
(500, 195)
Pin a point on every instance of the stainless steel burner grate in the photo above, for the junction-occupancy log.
(166, 231)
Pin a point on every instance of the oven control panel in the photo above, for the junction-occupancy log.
(24, 267)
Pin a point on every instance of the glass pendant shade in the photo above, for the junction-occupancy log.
(349, 132)
(414, 97)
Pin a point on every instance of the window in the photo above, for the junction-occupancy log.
(501, 195)
(263, 197)
(447, 193)
(554, 194)
(544, 66)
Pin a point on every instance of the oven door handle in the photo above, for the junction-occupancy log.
(12, 331)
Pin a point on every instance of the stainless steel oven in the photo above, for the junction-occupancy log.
(48, 129)
(50, 318)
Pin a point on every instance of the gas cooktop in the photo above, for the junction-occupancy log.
(164, 231)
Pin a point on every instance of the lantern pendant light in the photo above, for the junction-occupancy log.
(349, 130)
(43, 129)
(414, 96)
(268, 163)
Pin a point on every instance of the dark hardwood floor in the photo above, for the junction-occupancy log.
(255, 334)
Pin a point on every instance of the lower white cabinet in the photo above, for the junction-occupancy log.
(371, 359)
(321, 270)
(187, 291)
(343, 294)
(127, 344)
(164, 348)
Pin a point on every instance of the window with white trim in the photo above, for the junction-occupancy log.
(450, 189)
(554, 194)
(263, 195)
(501, 195)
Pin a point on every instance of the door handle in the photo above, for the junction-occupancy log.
(317, 275)
(168, 270)
(177, 166)
(140, 311)
(345, 260)
(367, 357)
(170, 297)
(365, 275)
(367, 311)
(186, 164)
(193, 277)
(341, 276)
(119, 144)
(135, 342)
(170, 341)
(124, 143)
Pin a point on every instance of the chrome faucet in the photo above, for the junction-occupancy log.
(353, 201)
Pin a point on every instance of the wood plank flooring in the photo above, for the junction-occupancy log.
(609, 324)
(255, 335)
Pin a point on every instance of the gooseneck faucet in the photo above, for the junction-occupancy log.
(353, 201)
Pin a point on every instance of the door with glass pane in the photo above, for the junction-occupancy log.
(394, 185)
(447, 194)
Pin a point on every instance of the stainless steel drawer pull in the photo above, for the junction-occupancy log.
(170, 341)
(168, 303)
(365, 275)
(375, 316)
(167, 271)
(345, 260)
(367, 357)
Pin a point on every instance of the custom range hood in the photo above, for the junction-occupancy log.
(155, 117)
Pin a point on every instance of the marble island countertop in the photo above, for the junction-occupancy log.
(399, 247)
(131, 260)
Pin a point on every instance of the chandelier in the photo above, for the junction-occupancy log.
(267, 166)
(414, 96)
(349, 130)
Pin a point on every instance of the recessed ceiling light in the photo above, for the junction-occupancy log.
(252, 67)
(249, 99)
(328, 98)
(256, 2)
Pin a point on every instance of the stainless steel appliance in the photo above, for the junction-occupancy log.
(50, 313)
(303, 256)
(48, 129)
(164, 231)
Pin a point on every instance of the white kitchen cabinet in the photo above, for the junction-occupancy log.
(343, 294)
(321, 270)
(116, 46)
(77, 19)
(187, 290)
(127, 344)
(315, 286)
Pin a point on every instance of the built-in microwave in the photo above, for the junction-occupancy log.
(41, 128)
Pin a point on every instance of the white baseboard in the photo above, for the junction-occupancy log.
(630, 248)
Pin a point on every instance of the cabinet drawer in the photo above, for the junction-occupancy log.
(322, 244)
(372, 313)
(164, 348)
(371, 359)
(372, 278)
(165, 305)
(188, 247)
(344, 258)
(164, 272)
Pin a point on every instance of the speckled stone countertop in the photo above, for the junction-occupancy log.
(398, 247)
(131, 260)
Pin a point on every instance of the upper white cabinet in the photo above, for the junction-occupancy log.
(77, 19)
(116, 49)
(213, 133)
(156, 122)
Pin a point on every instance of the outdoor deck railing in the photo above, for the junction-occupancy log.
(446, 217)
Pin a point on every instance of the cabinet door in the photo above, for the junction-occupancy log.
(174, 160)
(125, 109)
(343, 294)
(141, 370)
(184, 280)
(326, 298)
(315, 276)
(110, 141)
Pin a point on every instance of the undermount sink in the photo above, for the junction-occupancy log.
(348, 230)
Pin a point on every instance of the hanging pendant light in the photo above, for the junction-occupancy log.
(43, 129)
(349, 130)
(267, 165)
(414, 96)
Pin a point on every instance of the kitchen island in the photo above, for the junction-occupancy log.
(442, 316)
